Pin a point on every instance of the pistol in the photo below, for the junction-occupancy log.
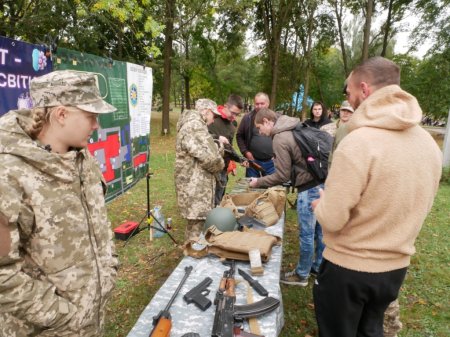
(197, 295)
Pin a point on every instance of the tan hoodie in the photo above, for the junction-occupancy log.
(382, 184)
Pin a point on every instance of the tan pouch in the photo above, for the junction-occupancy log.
(263, 209)
(277, 196)
(227, 202)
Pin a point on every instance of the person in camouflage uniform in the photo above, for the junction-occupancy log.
(57, 260)
(198, 161)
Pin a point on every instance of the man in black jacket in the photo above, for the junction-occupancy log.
(252, 144)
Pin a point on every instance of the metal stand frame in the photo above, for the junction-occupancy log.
(149, 215)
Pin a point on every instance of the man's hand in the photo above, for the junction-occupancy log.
(223, 140)
(314, 203)
(253, 182)
(249, 155)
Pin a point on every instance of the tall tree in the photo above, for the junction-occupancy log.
(367, 26)
(396, 10)
(168, 38)
(338, 7)
(275, 16)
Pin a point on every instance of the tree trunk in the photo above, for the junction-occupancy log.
(387, 28)
(168, 33)
(369, 12)
(338, 12)
(275, 57)
(308, 63)
(187, 79)
(275, 18)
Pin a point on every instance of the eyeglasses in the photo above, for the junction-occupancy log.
(234, 113)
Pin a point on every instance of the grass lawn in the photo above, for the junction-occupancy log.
(146, 264)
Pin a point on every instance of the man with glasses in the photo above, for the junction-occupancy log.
(224, 128)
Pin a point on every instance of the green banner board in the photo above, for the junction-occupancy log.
(121, 145)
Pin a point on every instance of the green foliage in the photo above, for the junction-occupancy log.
(445, 178)
(216, 54)
(433, 75)
(328, 78)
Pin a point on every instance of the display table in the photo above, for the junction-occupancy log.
(188, 318)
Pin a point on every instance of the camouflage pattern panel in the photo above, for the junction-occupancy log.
(330, 128)
(195, 140)
(391, 323)
(197, 159)
(60, 270)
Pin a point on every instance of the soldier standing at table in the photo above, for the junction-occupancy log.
(197, 163)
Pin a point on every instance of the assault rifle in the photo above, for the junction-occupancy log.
(162, 323)
(228, 315)
(234, 156)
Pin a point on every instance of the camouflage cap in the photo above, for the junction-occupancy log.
(70, 88)
(346, 106)
(205, 103)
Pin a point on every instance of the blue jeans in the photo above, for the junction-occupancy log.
(267, 165)
(310, 232)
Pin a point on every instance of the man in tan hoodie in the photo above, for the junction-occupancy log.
(381, 186)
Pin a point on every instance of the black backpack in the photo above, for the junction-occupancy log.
(315, 146)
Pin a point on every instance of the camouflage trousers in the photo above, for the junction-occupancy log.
(193, 229)
(391, 323)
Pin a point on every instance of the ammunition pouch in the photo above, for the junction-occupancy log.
(263, 209)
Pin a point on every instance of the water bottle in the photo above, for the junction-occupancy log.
(157, 214)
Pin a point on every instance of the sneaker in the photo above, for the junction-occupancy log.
(313, 272)
(292, 278)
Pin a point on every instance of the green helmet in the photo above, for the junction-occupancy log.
(222, 218)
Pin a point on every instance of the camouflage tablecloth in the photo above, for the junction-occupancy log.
(188, 318)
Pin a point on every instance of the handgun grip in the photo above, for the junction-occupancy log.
(201, 302)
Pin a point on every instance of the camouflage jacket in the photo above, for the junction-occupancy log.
(61, 266)
(197, 161)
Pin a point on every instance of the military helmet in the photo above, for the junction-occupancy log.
(222, 218)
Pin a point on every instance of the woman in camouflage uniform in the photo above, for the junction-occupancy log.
(57, 263)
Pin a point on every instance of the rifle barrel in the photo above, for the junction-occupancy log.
(186, 275)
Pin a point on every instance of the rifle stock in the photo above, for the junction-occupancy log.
(162, 328)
